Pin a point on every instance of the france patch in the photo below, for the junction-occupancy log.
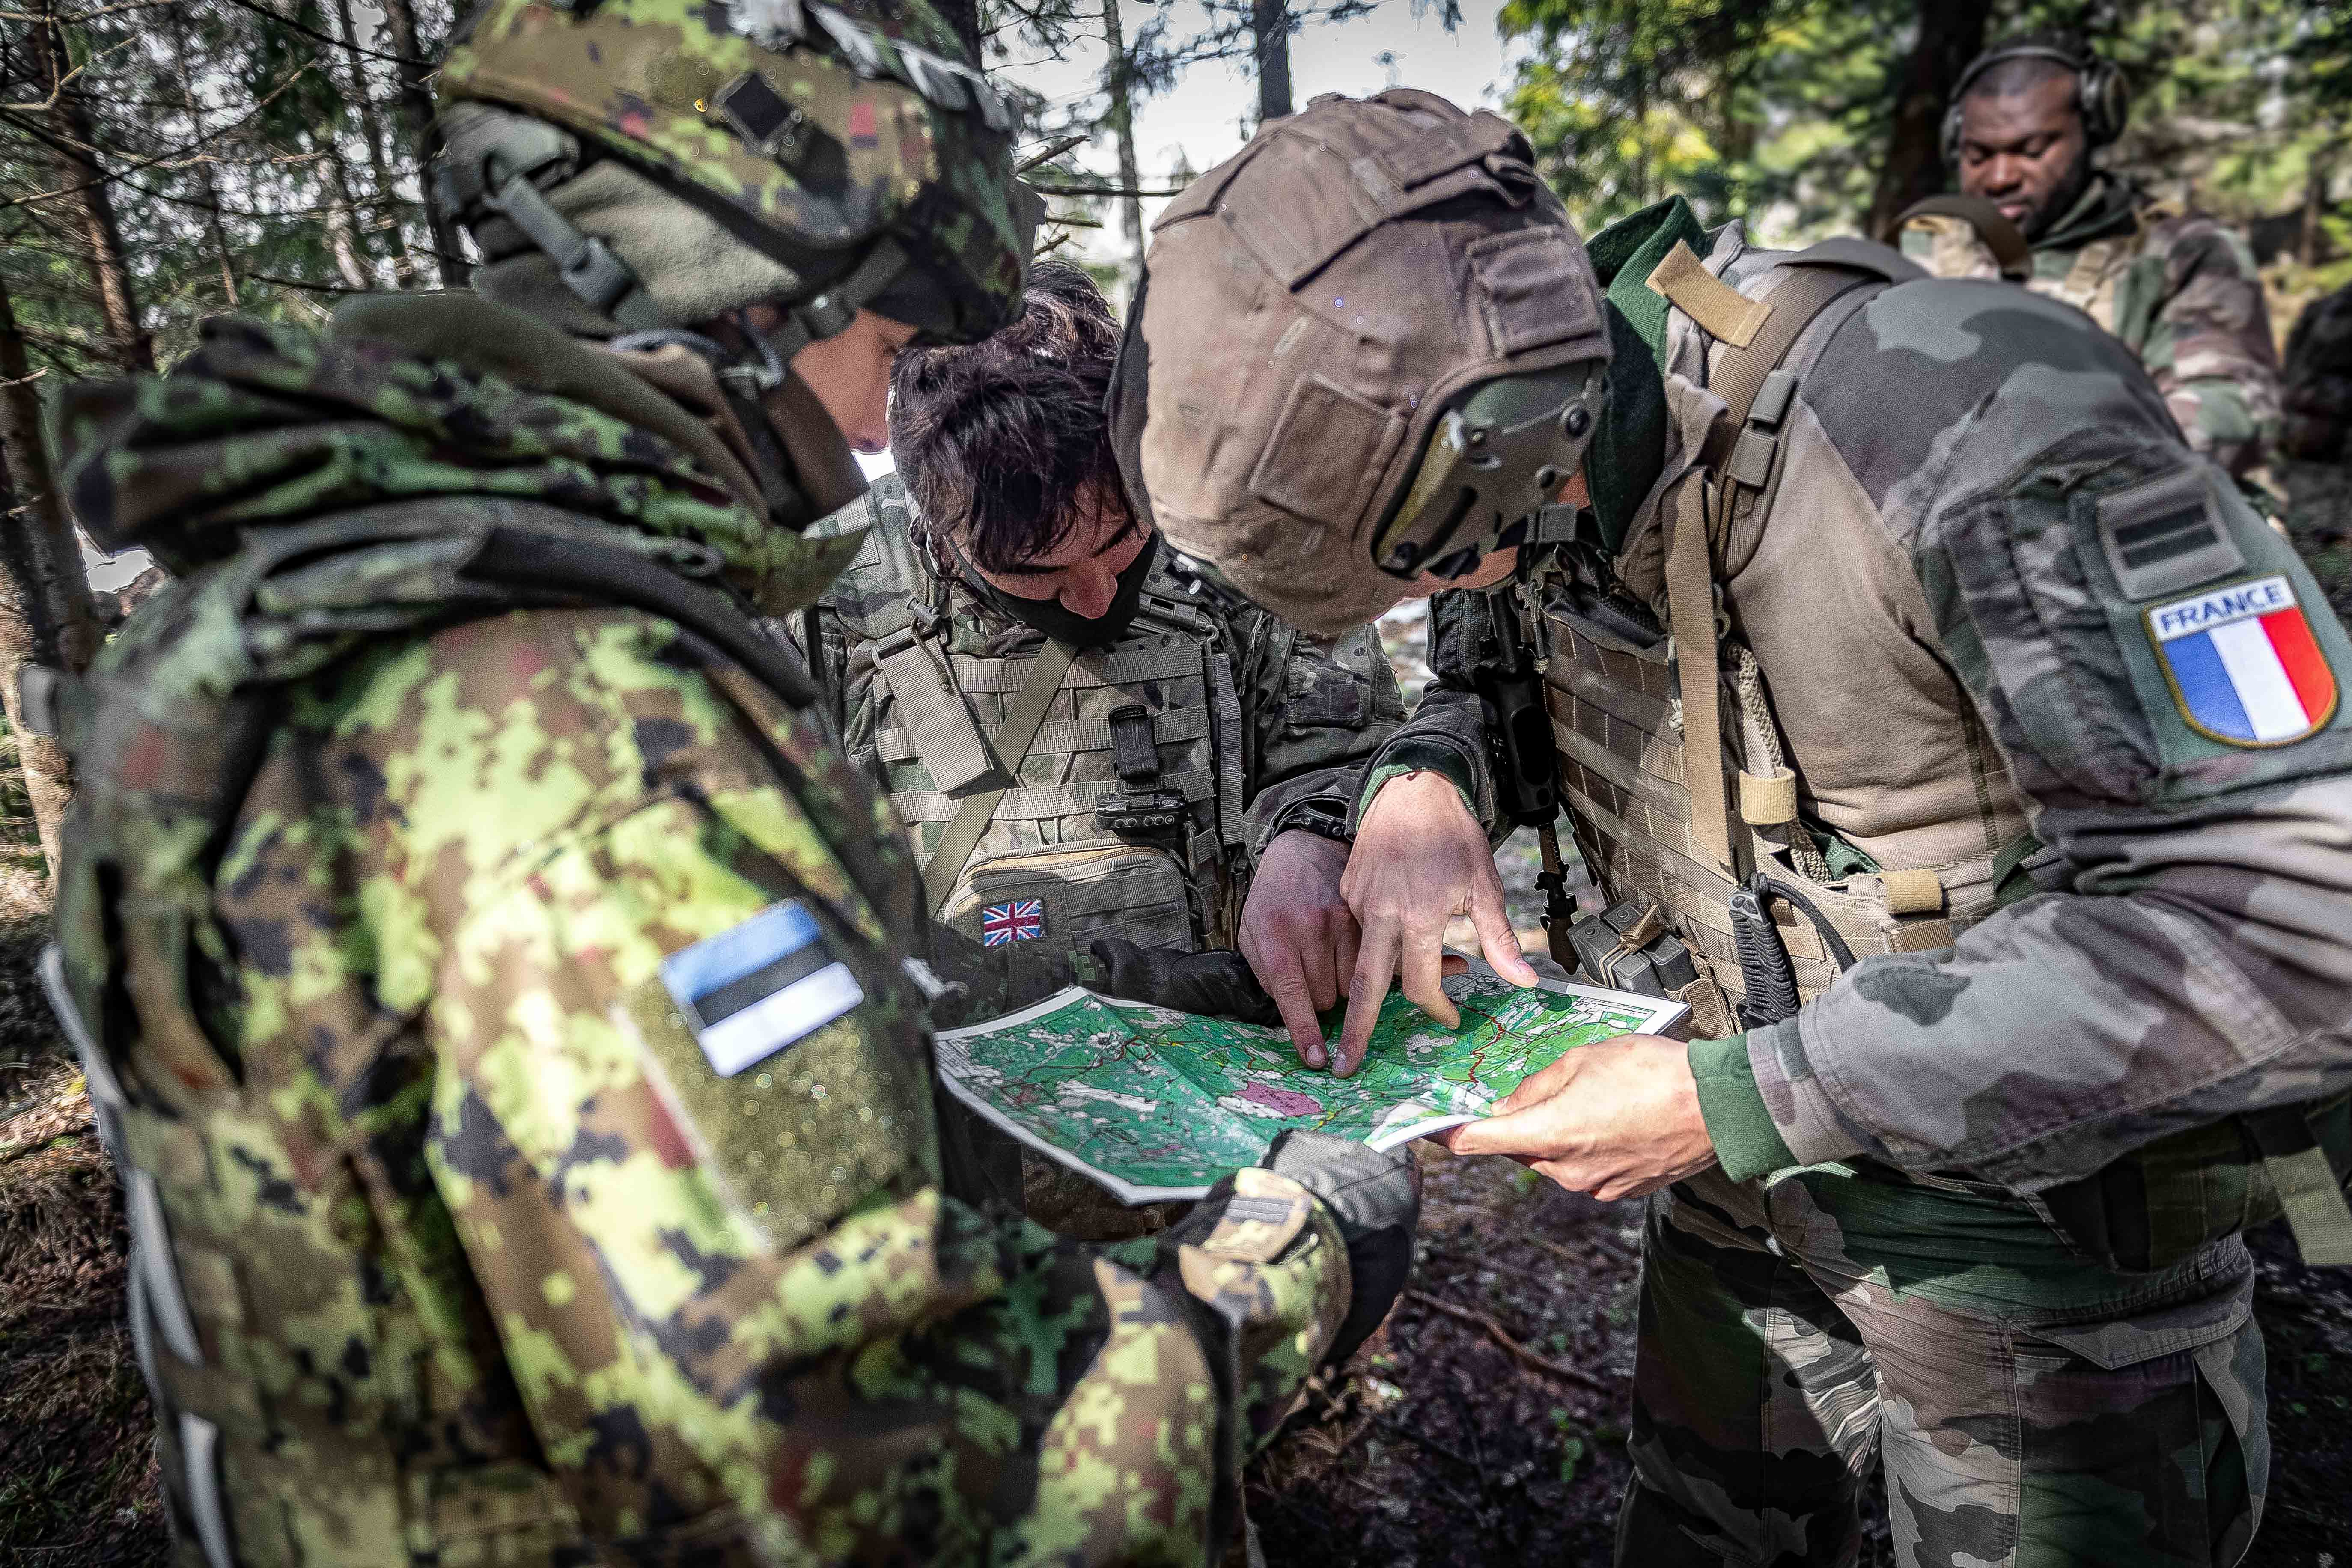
(756, 988)
(2242, 664)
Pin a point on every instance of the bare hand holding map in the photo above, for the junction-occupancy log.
(1155, 1104)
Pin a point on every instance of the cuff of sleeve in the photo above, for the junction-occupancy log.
(1417, 756)
(1739, 1123)
(1807, 1119)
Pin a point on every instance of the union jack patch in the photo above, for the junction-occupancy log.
(1022, 919)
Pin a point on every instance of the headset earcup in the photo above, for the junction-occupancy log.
(2105, 100)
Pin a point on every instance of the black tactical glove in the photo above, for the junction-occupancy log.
(1219, 984)
(1376, 1198)
(972, 982)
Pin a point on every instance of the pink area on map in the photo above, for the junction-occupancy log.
(1289, 1102)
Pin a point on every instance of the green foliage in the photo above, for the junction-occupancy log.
(226, 136)
(1780, 112)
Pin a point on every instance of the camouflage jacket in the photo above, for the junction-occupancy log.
(491, 1246)
(1253, 717)
(1937, 561)
(2179, 288)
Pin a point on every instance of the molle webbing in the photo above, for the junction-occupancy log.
(969, 818)
(1033, 830)
(1648, 825)
(920, 806)
(1057, 736)
(954, 751)
(1622, 768)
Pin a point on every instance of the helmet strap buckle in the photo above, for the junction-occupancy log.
(587, 266)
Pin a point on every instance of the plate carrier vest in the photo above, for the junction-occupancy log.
(1104, 787)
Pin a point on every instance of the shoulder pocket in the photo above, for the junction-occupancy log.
(2138, 630)
(797, 1076)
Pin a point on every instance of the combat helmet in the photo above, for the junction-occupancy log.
(670, 161)
(1404, 366)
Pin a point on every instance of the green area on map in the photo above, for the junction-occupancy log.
(1158, 1104)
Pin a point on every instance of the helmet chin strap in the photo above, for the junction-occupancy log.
(745, 382)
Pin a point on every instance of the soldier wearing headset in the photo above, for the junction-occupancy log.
(2177, 286)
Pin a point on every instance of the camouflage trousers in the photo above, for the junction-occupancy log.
(2030, 1409)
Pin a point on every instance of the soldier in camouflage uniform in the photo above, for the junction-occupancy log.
(1243, 728)
(2314, 465)
(503, 1002)
(1902, 662)
(2179, 288)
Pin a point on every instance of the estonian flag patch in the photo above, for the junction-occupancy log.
(756, 988)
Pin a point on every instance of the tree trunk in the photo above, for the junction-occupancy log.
(2311, 246)
(90, 200)
(1640, 142)
(387, 203)
(962, 17)
(1270, 48)
(1951, 33)
(416, 107)
(205, 175)
(344, 240)
(1121, 119)
(46, 613)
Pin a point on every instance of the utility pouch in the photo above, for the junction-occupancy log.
(1628, 948)
(1141, 809)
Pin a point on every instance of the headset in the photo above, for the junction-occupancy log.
(2101, 95)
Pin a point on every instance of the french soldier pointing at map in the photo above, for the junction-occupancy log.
(1937, 725)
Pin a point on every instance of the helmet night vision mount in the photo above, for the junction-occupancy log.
(1498, 454)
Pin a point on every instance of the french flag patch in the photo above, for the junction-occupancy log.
(1022, 919)
(2243, 665)
(756, 988)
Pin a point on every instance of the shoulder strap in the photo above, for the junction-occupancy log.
(1755, 393)
(526, 562)
(2010, 250)
(1020, 727)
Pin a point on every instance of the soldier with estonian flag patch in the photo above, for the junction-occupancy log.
(506, 1005)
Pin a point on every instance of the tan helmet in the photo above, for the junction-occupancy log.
(1371, 346)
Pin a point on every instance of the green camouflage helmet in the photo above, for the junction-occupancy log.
(873, 169)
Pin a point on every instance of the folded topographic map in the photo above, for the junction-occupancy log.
(1156, 1105)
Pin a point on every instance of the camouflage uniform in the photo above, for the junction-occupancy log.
(1863, 1275)
(483, 1259)
(2314, 465)
(502, 996)
(2179, 288)
(1256, 719)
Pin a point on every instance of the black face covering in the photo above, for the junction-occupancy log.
(1078, 631)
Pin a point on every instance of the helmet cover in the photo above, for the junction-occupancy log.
(815, 136)
(1349, 300)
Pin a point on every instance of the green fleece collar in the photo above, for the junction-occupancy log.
(1630, 446)
(2108, 205)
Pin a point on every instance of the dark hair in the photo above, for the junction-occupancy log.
(1001, 439)
(2023, 73)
